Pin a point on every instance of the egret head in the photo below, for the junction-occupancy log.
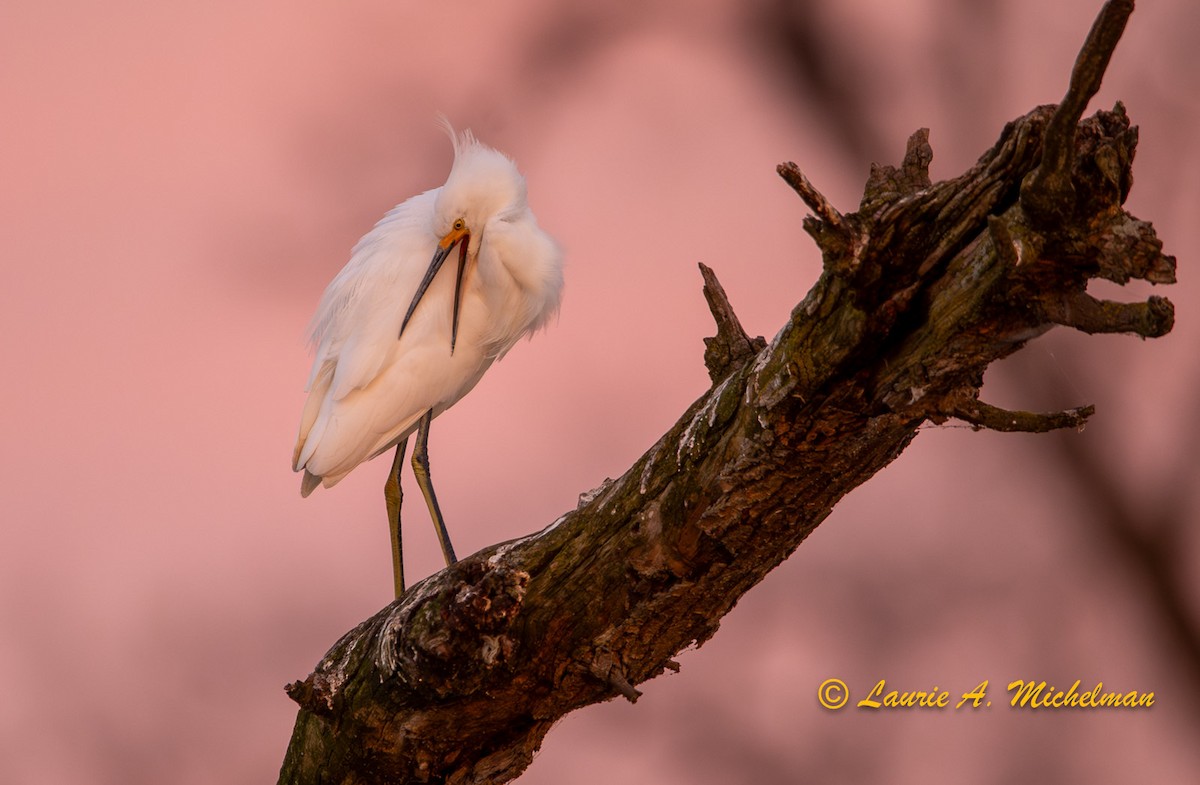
(484, 184)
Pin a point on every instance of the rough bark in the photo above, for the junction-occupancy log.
(923, 287)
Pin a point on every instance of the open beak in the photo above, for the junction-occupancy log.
(455, 236)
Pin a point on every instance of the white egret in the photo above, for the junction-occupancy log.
(399, 340)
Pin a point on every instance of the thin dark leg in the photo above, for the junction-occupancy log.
(393, 496)
(420, 464)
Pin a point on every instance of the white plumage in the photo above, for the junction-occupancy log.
(371, 383)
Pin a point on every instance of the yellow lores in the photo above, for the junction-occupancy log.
(398, 340)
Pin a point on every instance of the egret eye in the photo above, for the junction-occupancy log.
(459, 225)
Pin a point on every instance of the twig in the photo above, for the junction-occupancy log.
(812, 197)
(1048, 194)
(993, 418)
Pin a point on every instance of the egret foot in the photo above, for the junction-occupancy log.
(420, 464)
(393, 496)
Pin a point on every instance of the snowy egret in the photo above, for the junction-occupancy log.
(398, 341)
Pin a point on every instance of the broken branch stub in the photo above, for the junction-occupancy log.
(731, 346)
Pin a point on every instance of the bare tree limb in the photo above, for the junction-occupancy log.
(923, 287)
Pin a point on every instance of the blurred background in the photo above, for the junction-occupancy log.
(178, 183)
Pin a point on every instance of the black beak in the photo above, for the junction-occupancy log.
(439, 257)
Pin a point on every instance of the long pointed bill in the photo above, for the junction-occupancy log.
(439, 257)
(462, 265)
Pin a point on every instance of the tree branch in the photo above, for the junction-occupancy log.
(923, 287)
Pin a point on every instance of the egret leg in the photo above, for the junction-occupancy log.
(420, 464)
(393, 496)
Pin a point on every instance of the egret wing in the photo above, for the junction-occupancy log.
(524, 280)
(358, 319)
(371, 419)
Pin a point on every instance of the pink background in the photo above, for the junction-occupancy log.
(181, 180)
